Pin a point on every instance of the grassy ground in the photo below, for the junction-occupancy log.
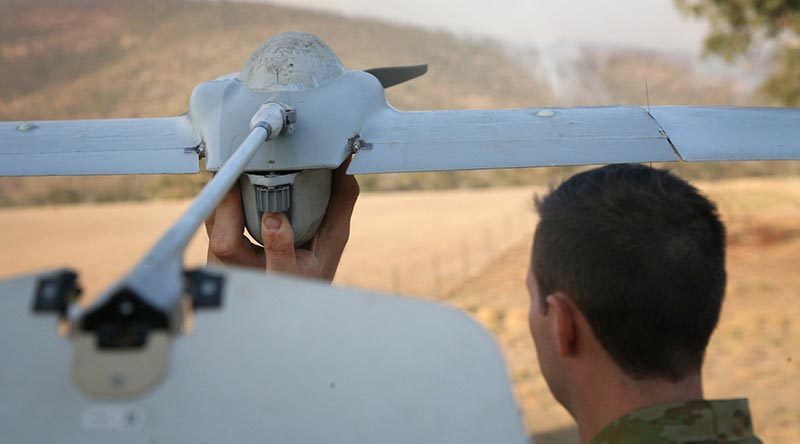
(436, 245)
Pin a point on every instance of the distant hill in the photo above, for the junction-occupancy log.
(67, 59)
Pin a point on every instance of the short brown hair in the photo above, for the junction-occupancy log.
(642, 254)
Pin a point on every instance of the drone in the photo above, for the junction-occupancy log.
(275, 358)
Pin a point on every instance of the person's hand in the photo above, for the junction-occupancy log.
(228, 244)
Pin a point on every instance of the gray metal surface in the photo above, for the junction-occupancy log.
(113, 146)
(310, 192)
(283, 361)
(158, 276)
(714, 134)
(331, 115)
(395, 75)
(301, 71)
(273, 200)
(462, 140)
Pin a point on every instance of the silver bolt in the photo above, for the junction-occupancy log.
(208, 288)
(126, 308)
(356, 145)
(26, 126)
(49, 291)
(117, 380)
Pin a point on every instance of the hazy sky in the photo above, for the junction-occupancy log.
(638, 23)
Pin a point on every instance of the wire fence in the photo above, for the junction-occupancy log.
(434, 273)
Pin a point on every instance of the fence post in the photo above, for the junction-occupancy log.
(465, 262)
(395, 279)
(437, 276)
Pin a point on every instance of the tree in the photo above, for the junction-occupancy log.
(736, 25)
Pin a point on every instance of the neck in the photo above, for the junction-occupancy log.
(605, 399)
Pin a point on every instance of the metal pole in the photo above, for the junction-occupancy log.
(178, 237)
(158, 277)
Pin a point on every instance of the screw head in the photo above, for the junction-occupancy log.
(117, 380)
(126, 308)
(357, 145)
(26, 126)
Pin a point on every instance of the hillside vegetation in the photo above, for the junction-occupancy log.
(70, 59)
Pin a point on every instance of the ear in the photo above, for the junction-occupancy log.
(565, 325)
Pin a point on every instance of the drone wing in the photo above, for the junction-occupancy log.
(396, 141)
(84, 147)
(399, 141)
(714, 134)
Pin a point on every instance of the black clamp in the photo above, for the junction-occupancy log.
(125, 320)
(204, 288)
(55, 292)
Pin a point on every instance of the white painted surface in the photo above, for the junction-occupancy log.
(291, 61)
(714, 134)
(111, 146)
(327, 117)
(458, 140)
(285, 362)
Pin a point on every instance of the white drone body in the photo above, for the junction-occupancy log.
(291, 173)
(277, 359)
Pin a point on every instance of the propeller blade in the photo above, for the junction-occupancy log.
(395, 75)
(396, 141)
(85, 147)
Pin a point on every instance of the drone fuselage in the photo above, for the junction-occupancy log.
(332, 103)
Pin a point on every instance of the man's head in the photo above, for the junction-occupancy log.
(633, 258)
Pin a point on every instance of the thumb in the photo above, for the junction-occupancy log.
(278, 237)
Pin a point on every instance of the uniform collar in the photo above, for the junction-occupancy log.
(693, 421)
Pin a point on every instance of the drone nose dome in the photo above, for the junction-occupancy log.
(291, 61)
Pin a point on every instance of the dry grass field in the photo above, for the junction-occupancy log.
(419, 243)
(458, 247)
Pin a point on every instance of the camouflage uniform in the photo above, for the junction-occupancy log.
(694, 422)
